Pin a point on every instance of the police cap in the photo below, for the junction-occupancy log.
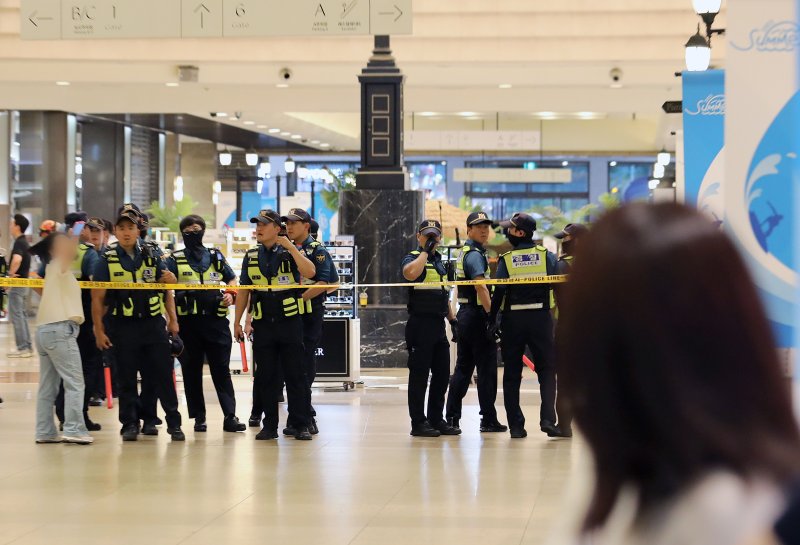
(520, 221)
(266, 217)
(430, 227)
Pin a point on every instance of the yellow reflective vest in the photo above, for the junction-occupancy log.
(133, 303)
(199, 302)
(269, 303)
(526, 263)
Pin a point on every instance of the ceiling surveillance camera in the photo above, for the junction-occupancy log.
(213, 114)
(285, 74)
(616, 75)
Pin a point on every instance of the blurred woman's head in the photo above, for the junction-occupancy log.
(668, 360)
(56, 246)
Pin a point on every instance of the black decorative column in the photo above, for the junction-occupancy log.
(381, 212)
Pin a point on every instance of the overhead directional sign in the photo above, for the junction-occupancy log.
(110, 19)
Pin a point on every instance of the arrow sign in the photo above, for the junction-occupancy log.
(34, 18)
(397, 11)
(202, 8)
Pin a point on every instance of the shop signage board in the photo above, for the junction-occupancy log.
(763, 150)
(704, 140)
(473, 140)
(144, 19)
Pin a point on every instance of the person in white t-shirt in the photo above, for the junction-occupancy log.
(59, 318)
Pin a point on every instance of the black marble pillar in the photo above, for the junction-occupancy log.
(384, 223)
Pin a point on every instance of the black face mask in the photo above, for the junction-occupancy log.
(516, 241)
(567, 246)
(194, 243)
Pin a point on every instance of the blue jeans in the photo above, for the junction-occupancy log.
(59, 359)
(16, 309)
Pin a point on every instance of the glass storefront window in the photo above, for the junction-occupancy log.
(629, 180)
(430, 178)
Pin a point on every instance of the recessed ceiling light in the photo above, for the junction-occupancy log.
(468, 114)
(261, 126)
(315, 142)
(282, 85)
(220, 114)
(612, 164)
(505, 86)
(616, 86)
(172, 84)
(249, 122)
(564, 163)
(296, 137)
(285, 133)
(274, 131)
(427, 114)
(324, 145)
(474, 118)
(62, 83)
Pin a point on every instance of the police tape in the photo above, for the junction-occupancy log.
(40, 283)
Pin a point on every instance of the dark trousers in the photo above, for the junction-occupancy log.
(206, 338)
(92, 363)
(474, 350)
(563, 406)
(312, 336)
(142, 345)
(258, 406)
(278, 349)
(532, 329)
(428, 354)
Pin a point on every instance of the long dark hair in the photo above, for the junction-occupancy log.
(44, 248)
(668, 360)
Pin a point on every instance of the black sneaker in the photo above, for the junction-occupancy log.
(446, 429)
(95, 402)
(290, 430)
(200, 425)
(130, 432)
(303, 434)
(551, 429)
(424, 430)
(266, 435)
(149, 429)
(232, 424)
(492, 427)
(60, 426)
(254, 422)
(158, 422)
(176, 434)
(454, 423)
(92, 426)
(518, 433)
(313, 427)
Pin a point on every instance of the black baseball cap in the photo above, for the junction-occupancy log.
(96, 223)
(430, 227)
(74, 217)
(297, 214)
(266, 217)
(477, 218)
(572, 230)
(521, 221)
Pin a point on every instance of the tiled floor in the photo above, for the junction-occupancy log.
(362, 481)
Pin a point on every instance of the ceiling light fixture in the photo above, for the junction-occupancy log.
(289, 165)
(63, 83)
(505, 86)
(664, 157)
(653, 184)
(323, 145)
(249, 122)
(264, 169)
(427, 114)
(261, 126)
(225, 158)
(251, 159)
(315, 142)
(172, 84)
(285, 133)
(612, 164)
(296, 137)
(564, 163)
(274, 131)
(468, 114)
(282, 86)
(217, 187)
(658, 171)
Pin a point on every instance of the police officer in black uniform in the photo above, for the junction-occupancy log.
(203, 320)
(277, 322)
(137, 330)
(426, 339)
(569, 238)
(298, 227)
(526, 322)
(474, 348)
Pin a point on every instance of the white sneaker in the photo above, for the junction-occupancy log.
(49, 440)
(20, 354)
(79, 440)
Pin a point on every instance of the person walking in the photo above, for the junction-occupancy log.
(426, 338)
(19, 267)
(475, 350)
(58, 323)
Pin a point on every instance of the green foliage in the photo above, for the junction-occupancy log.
(609, 201)
(465, 203)
(170, 216)
(330, 195)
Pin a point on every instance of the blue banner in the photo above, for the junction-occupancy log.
(704, 139)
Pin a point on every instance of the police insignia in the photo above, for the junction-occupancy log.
(321, 258)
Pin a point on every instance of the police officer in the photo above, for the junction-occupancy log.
(526, 322)
(137, 330)
(426, 340)
(203, 320)
(298, 226)
(474, 348)
(277, 322)
(569, 238)
(83, 268)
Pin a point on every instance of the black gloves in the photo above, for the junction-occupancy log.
(454, 329)
(430, 245)
(493, 331)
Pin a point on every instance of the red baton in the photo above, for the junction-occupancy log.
(243, 349)
(526, 360)
(109, 393)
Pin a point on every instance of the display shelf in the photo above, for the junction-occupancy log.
(342, 303)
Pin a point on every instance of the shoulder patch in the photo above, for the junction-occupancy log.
(321, 258)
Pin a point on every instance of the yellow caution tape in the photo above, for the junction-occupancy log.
(39, 283)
